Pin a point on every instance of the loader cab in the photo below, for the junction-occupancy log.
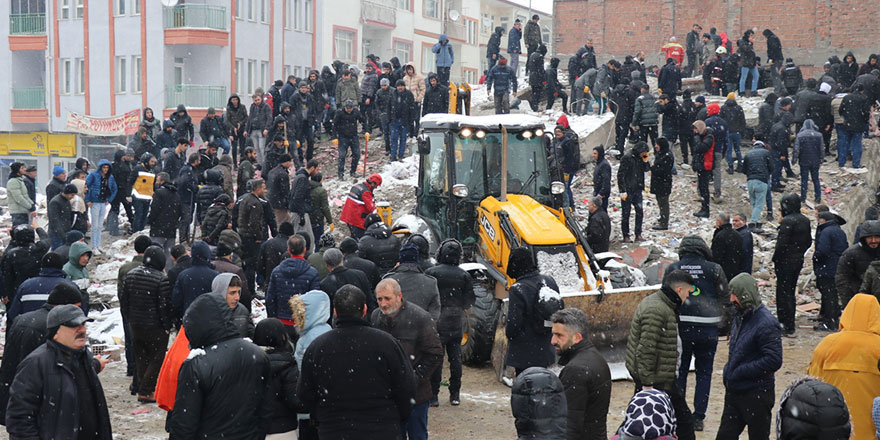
(460, 165)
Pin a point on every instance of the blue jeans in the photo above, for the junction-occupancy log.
(20, 219)
(346, 144)
(743, 73)
(97, 211)
(758, 193)
(398, 138)
(141, 209)
(849, 142)
(699, 341)
(777, 169)
(224, 144)
(415, 427)
(807, 174)
(733, 143)
(569, 197)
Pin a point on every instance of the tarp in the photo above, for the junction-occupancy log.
(126, 124)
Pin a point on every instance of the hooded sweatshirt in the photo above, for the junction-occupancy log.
(706, 307)
(755, 349)
(240, 315)
(183, 125)
(102, 189)
(808, 146)
(311, 312)
(72, 268)
(848, 360)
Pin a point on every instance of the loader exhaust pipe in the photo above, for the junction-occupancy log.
(503, 163)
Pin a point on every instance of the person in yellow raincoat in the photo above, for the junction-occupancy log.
(849, 361)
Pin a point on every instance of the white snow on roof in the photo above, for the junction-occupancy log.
(482, 121)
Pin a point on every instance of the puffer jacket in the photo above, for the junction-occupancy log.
(417, 288)
(809, 146)
(871, 280)
(369, 84)
(810, 408)
(17, 196)
(415, 83)
(23, 336)
(539, 405)
(661, 170)
(216, 220)
(146, 293)
(766, 115)
(94, 182)
(251, 218)
(292, 277)
(604, 81)
(415, 331)
(208, 192)
(60, 216)
(644, 111)
(221, 388)
(854, 262)
(755, 349)
(794, 236)
(436, 99)
(224, 166)
(696, 259)
(757, 164)
(792, 78)
(380, 246)
(456, 295)
(652, 345)
(164, 217)
(235, 117)
(443, 53)
(341, 276)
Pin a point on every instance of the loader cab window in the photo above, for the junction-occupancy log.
(434, 184)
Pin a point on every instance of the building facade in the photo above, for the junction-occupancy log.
(504, 13)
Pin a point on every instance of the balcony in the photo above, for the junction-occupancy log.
(27, 32)
(196, 24)
(457, 31)
(195, 96)
(380, 13)
(29, 105)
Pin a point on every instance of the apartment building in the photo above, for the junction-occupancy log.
(504, 13)
(99, 61)
(406, 29)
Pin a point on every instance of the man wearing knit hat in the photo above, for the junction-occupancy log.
(418, 288)
(33, 293)
(60, 215)
(57, 182)
(504, 79)
(29, 332)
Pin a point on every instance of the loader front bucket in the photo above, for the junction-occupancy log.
(608, 316)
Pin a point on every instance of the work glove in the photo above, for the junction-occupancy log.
(603, 95)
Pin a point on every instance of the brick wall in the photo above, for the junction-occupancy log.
(810, 30)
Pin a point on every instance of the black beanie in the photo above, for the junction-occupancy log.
(223, 250)
(52, 260)
(64, 293)
(142, 243)
(348, 246)
(520, 262)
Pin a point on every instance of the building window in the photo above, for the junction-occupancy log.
(119, 7)
(136, 7)
(286, 72)
(178, 71)
(286, 14)
(121, 74)
(237, 81)
(403, 51)
(65, 9)
(427, 59)
(239, 6)
(431, 8)
(251, 71)
(265, 74)
(136, 74)
(296, 14)
(80, 9)
(486, 24)
(470, 76)
(80, 76)
(343, 44)
(471, 31)
(251, 7)
(404, 4)
(264, 11)
(545, 35)
(66, 79)
(307, 16)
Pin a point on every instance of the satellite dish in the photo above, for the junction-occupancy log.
(454, 15)
(170, 3)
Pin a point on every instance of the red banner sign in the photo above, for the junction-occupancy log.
(126, 124)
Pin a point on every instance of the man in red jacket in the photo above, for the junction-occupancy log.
(359, 204)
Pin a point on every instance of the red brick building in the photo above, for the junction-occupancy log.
(810, 30)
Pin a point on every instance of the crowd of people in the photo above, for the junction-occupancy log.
(357, 331)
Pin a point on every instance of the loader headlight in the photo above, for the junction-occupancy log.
(527, 134)
(539, 132)
(557, 188)
(481, 134)
(460, 190)
(465, 132)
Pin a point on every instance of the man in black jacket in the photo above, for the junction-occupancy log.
(221, 391)
(188, 186)
(345, 124)
(493, 47)
(630, 184)
(733, 114)
(585, 376)
(456, 296)
(727, 246)
(213, 129)
(57, 393)
(855, 260)
(774, 57)
(21, 259)
(661, 180)
(300, 201)
(400, 118)
(365, 399)
(854, 109)
(669, 79)
(278, 188)
(164, 217)
(598, 229)
(60, 215)
(692, 49)
(339, 275)
(415, 330)
(554, 87)
(351, 260)
(146, 303)
(27, 332)
(793, 239)
(537, 76)
(741, 225)
(601, 176)
(436, 98)
(378, 244)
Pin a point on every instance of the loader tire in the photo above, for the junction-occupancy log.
(479, 327)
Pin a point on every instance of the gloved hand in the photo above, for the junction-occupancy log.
(326, 106)
(603, 95)
(302, 220)
(555, 94)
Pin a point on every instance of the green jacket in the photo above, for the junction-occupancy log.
(72, 268)
(17, 196)
(652, 346)
(347, 90)
(316, 260)
(320, 205)
(645, 111)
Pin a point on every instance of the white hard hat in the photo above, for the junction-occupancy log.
(721, 50)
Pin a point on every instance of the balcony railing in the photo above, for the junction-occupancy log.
(379, 11)
(29, 98)
(197, 96)
(27, 24)
(196, 16)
